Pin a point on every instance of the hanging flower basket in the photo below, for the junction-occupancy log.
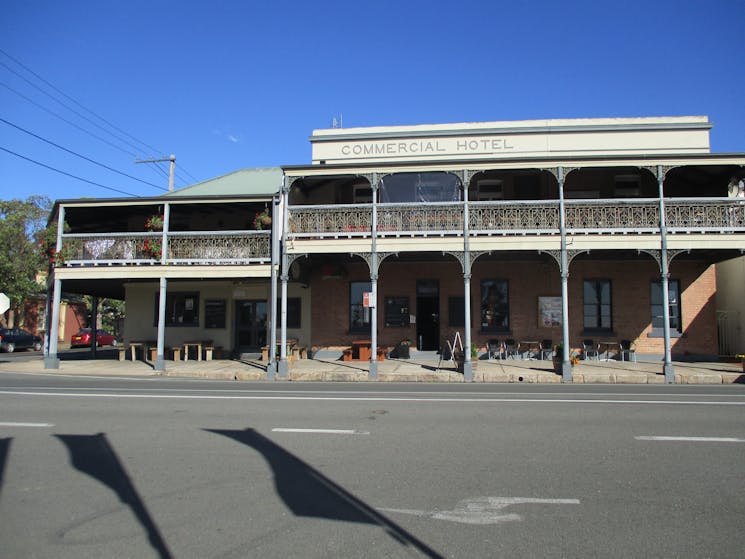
(262, 220)
(151, 249)
(154, 223)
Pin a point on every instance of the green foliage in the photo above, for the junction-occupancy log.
(21, 222)
(110, 313)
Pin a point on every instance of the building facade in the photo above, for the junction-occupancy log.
(553, 232)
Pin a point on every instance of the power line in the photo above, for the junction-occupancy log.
(78, 155)
(69, 122)
(66, 173)
(58, 90)
(53, 98)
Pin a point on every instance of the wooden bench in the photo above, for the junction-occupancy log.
(122, 353)
(176, 351)
(347, 354)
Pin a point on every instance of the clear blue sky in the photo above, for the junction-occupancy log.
(229, 84)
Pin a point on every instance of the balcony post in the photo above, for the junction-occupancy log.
(164, 238)
(667, 367)
(566, 365)
(160, 362)
(373, 370)
(467, 365)
(51, 360)
(271, 367)
(283, 367)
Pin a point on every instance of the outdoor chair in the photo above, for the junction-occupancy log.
(510, 348)
(626, 350)
(547, 349)
(590, 350)
(494, 349)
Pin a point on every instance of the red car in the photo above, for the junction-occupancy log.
(83, 338)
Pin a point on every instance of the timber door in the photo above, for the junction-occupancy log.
(250, 326)
(428, 315)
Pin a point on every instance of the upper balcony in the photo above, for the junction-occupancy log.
(600, 217)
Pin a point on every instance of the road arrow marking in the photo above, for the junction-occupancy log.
(482, 510)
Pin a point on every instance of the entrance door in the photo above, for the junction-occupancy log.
(250, 326)
(428, 315)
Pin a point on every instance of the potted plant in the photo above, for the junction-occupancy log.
(151, 249)
(154, 222)
(48, 244)
(558, 358)
(262, 219)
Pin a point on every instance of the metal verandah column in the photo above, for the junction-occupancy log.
(271, 367)
(51, 361)
(566, 365)
(667, 367)
(467, 365)
(282, 368)
(160, 361)
(373, 370)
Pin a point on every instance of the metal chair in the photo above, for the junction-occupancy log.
(547, 350)
(510, 348)
(590, 350)
(625, 349)
(494, 349)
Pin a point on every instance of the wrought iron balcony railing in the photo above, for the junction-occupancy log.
(597, 216)
(204, 247)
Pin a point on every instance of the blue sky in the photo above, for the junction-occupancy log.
(229, 84)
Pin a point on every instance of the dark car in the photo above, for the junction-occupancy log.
(12, 339)
(84, 338)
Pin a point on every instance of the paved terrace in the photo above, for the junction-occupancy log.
(421, 368)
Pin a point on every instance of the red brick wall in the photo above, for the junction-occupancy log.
(527, 281)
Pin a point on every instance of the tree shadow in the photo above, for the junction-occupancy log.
(94, 456)
(4, 449)
(307, 492)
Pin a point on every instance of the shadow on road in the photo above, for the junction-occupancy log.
(307, 492)
(94, 456)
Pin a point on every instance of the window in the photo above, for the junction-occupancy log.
(362, 194)
(598, 311)
(457, 312)
(359, 315)
(627, 186)
(293, 312)
(495, 306)
(182, 309)
(658, 319)
(396, 311)
(489, 189)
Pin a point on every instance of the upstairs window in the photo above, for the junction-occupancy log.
(598, 309)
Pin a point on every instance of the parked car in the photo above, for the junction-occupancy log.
(83, 338)
(12, 339)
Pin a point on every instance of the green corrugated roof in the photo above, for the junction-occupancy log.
(262, 181)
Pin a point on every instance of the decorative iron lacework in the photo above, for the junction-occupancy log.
(325, 220)
(513, 216)
(717, 215)
(638, 215)
(204, 246)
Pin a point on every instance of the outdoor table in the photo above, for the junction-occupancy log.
(196, 344)
(133, 348)
(530, 347)
(605, 347)
(362, 350)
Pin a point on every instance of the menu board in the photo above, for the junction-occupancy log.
(214, 313)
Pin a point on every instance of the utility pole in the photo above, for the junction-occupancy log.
(172, 159)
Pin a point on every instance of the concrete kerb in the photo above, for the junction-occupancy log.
(398, 370)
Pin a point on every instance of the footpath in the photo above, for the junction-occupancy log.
(417, 369)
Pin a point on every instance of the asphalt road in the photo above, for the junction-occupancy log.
(161, 467)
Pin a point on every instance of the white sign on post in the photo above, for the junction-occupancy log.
(4, 303)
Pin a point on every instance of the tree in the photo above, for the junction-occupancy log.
(21, 222)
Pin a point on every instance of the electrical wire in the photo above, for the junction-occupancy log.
(58, 90)
(68, 121)
(81, 156)
(66, 173)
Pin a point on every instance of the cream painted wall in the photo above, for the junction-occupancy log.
(140, 301)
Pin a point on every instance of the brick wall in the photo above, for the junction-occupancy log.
(527, 280)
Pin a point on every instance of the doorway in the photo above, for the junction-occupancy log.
(250, 326)
(428, 315)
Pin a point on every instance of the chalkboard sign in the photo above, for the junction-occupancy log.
(396, 311)
(214, 313)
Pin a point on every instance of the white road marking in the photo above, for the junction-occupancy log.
(692, 439)
(373, 398)
(482, 510)
(19, 424)
(320, 431)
